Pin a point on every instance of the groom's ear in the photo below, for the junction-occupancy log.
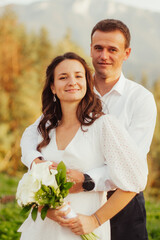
(127, 53)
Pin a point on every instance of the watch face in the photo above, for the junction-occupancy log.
(88, 183)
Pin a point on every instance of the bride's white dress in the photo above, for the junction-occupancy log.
(104, 142)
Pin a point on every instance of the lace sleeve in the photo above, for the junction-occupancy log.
(126, 166)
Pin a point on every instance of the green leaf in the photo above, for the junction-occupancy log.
(44, 212)
(52, 201)
(39, 193)
(90, 236)
(68, 185)
(61, 175)
(45, 188)
(64, 193)
(55, 192)
(26, 209)
(84, 237)
(34, 213)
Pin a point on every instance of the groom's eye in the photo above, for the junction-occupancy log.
(113, 50)
(98, 47)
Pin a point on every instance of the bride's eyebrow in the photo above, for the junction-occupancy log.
(62, 74)
(67, 73)
(79, 72)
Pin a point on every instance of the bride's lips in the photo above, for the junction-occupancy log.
(72, 90)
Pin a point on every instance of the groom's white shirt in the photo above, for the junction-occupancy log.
(132, 104)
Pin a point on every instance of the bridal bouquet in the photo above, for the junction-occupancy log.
(42, 186)
(47, 188)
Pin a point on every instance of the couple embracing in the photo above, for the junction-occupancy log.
(101, 126)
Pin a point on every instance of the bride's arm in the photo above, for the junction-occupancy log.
(85, 224)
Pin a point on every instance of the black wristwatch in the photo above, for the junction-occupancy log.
(88, 183)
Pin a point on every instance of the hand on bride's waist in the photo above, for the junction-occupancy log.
(77, 178)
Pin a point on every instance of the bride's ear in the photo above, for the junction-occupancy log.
(52, 88)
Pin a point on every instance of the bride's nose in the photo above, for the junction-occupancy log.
(72, 81)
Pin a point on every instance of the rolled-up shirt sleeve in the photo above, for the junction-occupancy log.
(101, 179)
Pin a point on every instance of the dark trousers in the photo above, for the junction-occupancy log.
(130, 222)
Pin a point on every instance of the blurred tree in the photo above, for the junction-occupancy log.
(10, 58)
(154, 160)
(66, 44)
(144, 80)
(22, 67)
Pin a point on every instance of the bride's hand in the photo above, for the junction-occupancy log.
(56, 215)
(82, 224)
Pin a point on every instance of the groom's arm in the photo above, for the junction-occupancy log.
(94, 180)
(101, 178)
(29, 142)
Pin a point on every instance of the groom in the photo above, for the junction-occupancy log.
(134, 107)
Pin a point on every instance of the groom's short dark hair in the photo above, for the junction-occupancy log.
(109, 25)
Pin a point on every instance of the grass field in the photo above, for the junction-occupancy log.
(10, 218)
(153, 219)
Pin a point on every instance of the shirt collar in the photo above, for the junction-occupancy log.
(118, 87)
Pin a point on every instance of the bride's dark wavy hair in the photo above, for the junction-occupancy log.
(88, 110)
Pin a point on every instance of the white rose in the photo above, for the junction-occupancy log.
(26, 189)
(40, 169)
(31, 182)
(43, 174)
(49, 179)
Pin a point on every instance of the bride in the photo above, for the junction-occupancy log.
(73, 129)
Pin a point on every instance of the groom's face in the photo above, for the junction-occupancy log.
(108, 53)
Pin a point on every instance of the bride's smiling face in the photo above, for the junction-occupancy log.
(69, 81)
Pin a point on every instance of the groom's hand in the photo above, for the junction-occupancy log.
(40, 160)
(77, 178)
(37, 160)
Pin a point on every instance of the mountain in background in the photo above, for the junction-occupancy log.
(81, 15)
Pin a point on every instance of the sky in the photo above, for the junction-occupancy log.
(5, 2)
(153, 5)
